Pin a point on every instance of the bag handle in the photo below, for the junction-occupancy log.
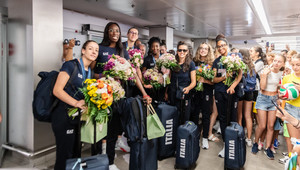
(150, 109)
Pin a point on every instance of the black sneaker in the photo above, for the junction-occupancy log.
(254, 149)
(269, 153)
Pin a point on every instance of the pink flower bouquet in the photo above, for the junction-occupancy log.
(136, 57)
(118, 67)
(153, 77)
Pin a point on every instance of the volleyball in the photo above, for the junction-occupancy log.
(289, 91)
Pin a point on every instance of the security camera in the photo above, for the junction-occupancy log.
(245, 42)
(132, 5)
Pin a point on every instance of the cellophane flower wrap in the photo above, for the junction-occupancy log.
(118, 67)
(165, 63)
(136, 57)
(153, 77)
(233, 64)
(118, 91)
(206, 72)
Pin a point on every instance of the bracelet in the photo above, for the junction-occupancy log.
(146, 96)
(297, 124)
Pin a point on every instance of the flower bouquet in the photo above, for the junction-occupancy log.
(136, 58)
(233, 63)
(167, 61)
(118, 91)
(119, 67)
(206, 72)
(153, 77)
(98, 97)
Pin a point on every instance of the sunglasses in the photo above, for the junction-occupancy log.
(180, 50)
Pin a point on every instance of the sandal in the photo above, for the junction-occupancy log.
(213, 138)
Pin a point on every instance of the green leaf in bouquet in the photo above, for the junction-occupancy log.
(72, 111)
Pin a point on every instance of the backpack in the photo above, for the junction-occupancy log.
(44, 101)
(249, 82)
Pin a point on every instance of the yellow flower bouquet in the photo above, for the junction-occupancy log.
(98, 97)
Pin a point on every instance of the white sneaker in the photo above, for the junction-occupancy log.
(222, 153)
(283, 160)
(103, 148)
(249, 142)
(123, 146)
(216, 126)
(205, 143)
(219, 131)
(113, 167)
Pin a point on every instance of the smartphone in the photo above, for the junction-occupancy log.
(275, 104)
(267, 44)
(295, 83)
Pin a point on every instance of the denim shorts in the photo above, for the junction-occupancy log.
(293, 110)
(263, 102)
(277, 125)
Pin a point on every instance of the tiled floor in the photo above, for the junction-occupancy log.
(208, 159)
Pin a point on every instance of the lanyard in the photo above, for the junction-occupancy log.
(83, 71)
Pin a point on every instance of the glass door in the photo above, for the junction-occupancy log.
(3, 79)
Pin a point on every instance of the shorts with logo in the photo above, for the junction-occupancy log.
(263, 102)
(293, 111)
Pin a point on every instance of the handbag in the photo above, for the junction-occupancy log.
(240, 92)
(179, 92)
(87, 131)
(155, 128)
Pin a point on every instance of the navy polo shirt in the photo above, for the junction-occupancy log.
(77, 81)
(149, 62)
(183, 78)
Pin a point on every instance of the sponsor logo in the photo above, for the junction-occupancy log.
(182, 148)
(80, 75)
(207, 97)
(70, 131)
(231, 149)
(169, 132)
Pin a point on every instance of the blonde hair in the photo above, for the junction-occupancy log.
(209, 59)
(292, 52)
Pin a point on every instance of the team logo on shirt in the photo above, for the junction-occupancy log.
(105, 53)
(207, 97)
(80, 75)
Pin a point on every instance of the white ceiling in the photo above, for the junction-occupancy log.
(199, 18)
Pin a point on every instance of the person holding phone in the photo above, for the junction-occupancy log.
(184, 77)
(269, 80)
(293, 106)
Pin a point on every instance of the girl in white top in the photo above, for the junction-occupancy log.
(269, 81)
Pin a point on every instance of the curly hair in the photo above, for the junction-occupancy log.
(150, 42)
(209, 59)
(247, 60)
(188, 58)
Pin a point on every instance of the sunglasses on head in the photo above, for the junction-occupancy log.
(180, 50)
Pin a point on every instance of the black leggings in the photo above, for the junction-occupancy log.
(114, 129)
(202, 101)
(66, 136)
(227, 109)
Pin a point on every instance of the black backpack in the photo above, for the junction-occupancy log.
(44, 102)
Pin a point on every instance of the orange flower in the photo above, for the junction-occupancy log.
(109, 89)
(200, 70)
(104, 96)
(109, 100)
(100, 85)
